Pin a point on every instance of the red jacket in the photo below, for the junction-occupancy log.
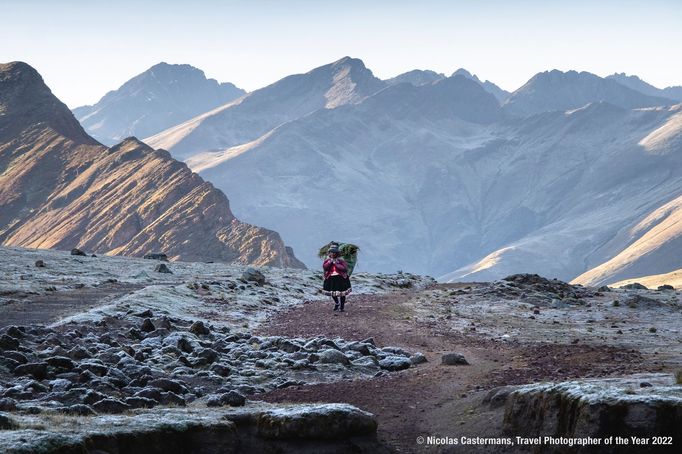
(341, 268)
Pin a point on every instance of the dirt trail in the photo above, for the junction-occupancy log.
(26, 309)
(432, 399)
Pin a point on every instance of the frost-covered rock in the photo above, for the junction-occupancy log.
(36, 370)
(454, 359)
(253, 275)
(162, 268)
(110, 405)
(7, 404)
(199, 328)
(328, 421)
(597, 407)
(331, 356)
(8, 342)
(394, 363)
(253, 428)
(418, 358)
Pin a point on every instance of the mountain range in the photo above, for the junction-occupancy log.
(639, 85)
(572, 175)
(160, 97)
(422, 77)
(438, 175)
(59, 188)
(346, 81)
(557, 90)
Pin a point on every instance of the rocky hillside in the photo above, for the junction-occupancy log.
(60, 189)
(346, 81)
(161, 97)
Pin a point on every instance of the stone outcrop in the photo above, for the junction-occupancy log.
(300, 429)
(645, 405)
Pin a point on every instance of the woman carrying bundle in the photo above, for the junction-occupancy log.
(336, 280)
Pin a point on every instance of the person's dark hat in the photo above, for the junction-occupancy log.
(333, 249)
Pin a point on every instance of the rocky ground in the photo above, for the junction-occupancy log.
(95, 351)
(522, 330)
(86, 336)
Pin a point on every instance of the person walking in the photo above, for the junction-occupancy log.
(336, 280)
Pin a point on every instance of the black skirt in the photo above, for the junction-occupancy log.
(336, 286)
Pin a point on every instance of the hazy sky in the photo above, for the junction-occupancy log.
(85, 48)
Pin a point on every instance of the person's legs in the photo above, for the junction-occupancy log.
(336, 302)
(343, 302)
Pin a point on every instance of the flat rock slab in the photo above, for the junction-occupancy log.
(644, 405)
(288, 428)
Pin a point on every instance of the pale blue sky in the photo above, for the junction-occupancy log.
(85, 48)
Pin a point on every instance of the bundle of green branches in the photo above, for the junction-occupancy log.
(347, 251)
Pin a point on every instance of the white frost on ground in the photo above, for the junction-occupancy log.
(194, 290)
(610, 390)
(653, 325)
(47, 432)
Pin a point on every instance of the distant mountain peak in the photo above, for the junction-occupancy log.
(499, 94)
(351, 81)
(623, 74)
(349, 61)
(451, 97)
(465, 73)
(163, 64)
(154, 100)
(344, 81)
(556, 75)
(173, 68)
(558, 90)
(347, 65)
(416, 77)
(636, 83)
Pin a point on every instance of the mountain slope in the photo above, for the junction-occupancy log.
(556, 90)
(60, 189)
(427, 179)
(346, 81)
(161, 97)
(673, 278)
(641, 86)
(380, 173)
(611, 184)
(651, 246)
